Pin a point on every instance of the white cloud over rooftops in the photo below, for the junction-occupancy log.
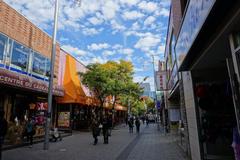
(74, 50)
(99, 46)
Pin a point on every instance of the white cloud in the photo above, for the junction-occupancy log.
(117, 46)
(165, 3)
(90, 31)
(135, 26)
(41, 16)
(95, 47)
(129, 2)
(108, 53)
(148, 6)
(99, 60)
(127, 51)
(117, 26)
(109, 9)
(163, 12)
(74, 50)
(95, 21)
(147, 42)
(149, 20)
(131, 15)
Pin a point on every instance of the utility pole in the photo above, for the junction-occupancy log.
(50, 87)
(48, 116)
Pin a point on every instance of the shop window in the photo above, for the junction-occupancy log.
(173, 41)
(236, 40)
(3, 42)
(20, 56)
(39, 64)
(48, 64)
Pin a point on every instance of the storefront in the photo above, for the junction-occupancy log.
(23, 98)
(24, 73)
(77, 103)
(207, 58)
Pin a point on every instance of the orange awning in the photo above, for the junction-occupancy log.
(72, 86)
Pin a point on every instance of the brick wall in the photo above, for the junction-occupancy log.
(17, 27)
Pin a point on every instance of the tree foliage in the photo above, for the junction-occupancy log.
(111, 79)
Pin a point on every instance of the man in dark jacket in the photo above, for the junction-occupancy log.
(3, 130)
(106, 126)
(137, 123)
(95, 129)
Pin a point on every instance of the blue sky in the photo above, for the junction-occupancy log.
(101, 30)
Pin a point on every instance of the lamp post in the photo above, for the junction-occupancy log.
(129, 105)
(50, 87)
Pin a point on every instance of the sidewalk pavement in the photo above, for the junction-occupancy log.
(150, 144)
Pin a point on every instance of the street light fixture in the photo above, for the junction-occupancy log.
(139, 83)
(50, 87)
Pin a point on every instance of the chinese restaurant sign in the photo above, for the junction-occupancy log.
(26, 82)
(194, 19)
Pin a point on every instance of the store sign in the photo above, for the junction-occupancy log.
(64, 119)
(195, 17)
(14, 79)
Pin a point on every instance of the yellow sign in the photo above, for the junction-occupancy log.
(64, 119)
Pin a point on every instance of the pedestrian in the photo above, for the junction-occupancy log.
(106, 125)
(30, 131)
(130, 124)
(143, 119)
(147, 120)
(3, 130)
(110, 124)
(95, 129)
(137, 123)
(126, 120)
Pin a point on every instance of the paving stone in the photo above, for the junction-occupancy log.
(150, 144)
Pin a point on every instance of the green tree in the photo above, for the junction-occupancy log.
(149, 103)
(96, 79)
(111, 79)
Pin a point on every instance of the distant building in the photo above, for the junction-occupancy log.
(147, 89)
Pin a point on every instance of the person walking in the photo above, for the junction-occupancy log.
(110, 125)
(95, 129)
(30, 131)
(3, 130)
(137, 123)
(105, 128)
(147, 120)
(130, 124)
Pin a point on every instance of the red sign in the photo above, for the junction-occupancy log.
(23, 81)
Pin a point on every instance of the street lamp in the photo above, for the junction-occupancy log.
(139, 83)
(50, 87)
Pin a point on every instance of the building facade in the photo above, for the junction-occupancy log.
(206, 48)
(24, 72)
(25, 57)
